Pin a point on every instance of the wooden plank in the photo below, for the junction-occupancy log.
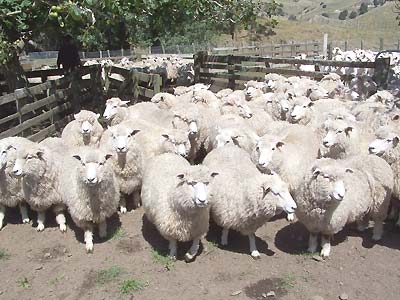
(34, 121)
(9, 118)
(214, 66)
(45, 101)
(44, 133)
(145, 92)
(7, 98)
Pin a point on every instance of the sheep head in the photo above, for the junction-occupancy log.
(86, 120)
(176, 141)
(386, 139)
(337, 133)
(112, 106)
(121, 136)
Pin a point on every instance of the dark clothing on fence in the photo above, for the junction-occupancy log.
(68, 57)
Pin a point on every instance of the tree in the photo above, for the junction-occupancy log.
(363, 8)
(343, 14)
(353, 15)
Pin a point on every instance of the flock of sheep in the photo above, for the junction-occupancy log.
(307, 148)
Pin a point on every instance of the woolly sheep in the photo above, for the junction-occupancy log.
(84, 130)
(175, 199)
(91, 192)
(242, 198)
(339, 192)
(223, 93)
(150, 113)
(40, 170)
(206, 97)
(165, 100)
(386, 146)
(10, 187)
(116, 111)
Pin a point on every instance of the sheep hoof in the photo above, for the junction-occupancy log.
(255, 254)
(325, 253)
(290, 218)
(189, 257)
(123, 210)
(89, 248)
(63, 228)
(40, 227)
(26, 221)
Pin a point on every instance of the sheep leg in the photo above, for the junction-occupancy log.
(326, 245)
(136, 199)
(41, 218)
(253, 249)
(224, 236)
(2, 215)
(312, 242)
(190, 255)
(122, 205)
(378, 230)
(23, 209)
(362, 225)
(88, 237)
(173, 249)
(60, 219)
(103, 229)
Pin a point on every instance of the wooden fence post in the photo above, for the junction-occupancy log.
(198, 62)
(329, 51)
(345, 45)
(231, 72)
(325, 45)
(382, 67)
(362, 45)
(381, 44)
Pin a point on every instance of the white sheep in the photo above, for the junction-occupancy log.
(91, 192)
(151, 113)
(165, 100)
(85, 130)
(175, 199)
(339, 192)
(116, 111)
(10, 187)
(40, 170)
(242, 198)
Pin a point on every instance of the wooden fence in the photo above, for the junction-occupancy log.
(121, 82)
(231, 71)
(39, 111)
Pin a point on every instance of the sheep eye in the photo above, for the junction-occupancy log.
(114, 106)
(29, 157)
(101, 163)
(258, 148)
(389, 140)
(273, 149)
(340, 131)
(4, 152)
(304, 106)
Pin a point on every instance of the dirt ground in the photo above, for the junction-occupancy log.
(52, 265)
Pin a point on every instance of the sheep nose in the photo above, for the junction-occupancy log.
(91, 179)
(325, 143)
(371, 149)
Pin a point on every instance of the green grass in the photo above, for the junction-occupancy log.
(23, 282)
(164, 260)
(56, 280)
(4, 255)
(131, 285)
(108, 275)
(119, 233)
(288, 282)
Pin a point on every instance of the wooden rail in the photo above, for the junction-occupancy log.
(39, 111)
(123, 82)
(233, 70)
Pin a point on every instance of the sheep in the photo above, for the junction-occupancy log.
(242, 198)
(181, 90)
(386, 146)
(344, 139)
(175, 199)
(339, 192)
(116, 111)
(91, 191)
(236, 135)
(233, 104)
(224, 93)
(384, 97)
(275, 104)
(40, 170)
(150, 113)
(84, 130)
(10, 187)
(165, 100)
(206, 97)
(289, 154)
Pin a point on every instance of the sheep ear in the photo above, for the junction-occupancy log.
(180, 176)
(348, 170)
(76, 116)
(10, 147)
(125, 102)
(135, 131)
(396, 117)
(97, 116)
(395, 141)
(266, 190)
(279, 144)
(166, 136)
(77, 157)
(316, 172)
(348, 130)
(108, 156)
(310, 104)
(213, 174)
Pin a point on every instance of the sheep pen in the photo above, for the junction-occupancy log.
(133, 254)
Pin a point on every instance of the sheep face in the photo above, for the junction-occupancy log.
(177, 142)
(252, 92)
(239, 107)
(300, 109)
(86, 119)
(196, 182)
(4, 154)
(112, 107)
(30, 162)
(186, 124)
(266, 148)
(92, 167)
(337, 133)
(328, 184)
(277, 191)
(121, 137)
(385, 141)
(227, 136)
